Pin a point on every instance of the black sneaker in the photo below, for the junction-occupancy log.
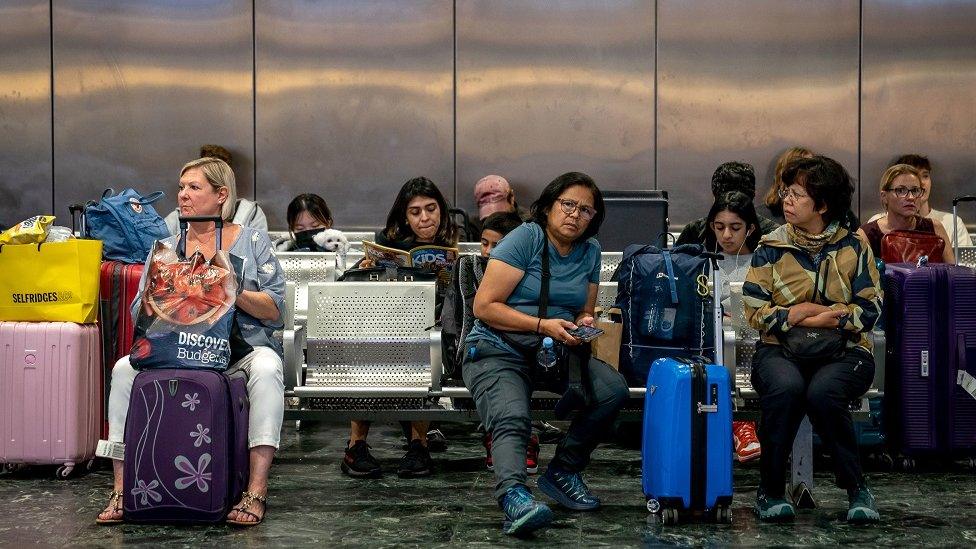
(416, 462)
(436, 441)
(359, 463)
(548, 433)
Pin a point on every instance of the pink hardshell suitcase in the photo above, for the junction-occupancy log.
(49, 385)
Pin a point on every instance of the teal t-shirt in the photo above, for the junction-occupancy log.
(570, 277)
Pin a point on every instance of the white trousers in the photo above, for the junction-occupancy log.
(265, 390)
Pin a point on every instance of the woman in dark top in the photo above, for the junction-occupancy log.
(418, 217)
(901, 188)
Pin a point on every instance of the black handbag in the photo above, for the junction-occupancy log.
(806, 344)
(565, 377)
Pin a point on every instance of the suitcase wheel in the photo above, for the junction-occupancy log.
(908, 464)
(723, 515)
(64, 471)
(669, 516)
(972, 463)
(653, 506)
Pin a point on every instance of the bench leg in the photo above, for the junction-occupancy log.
(801, 467)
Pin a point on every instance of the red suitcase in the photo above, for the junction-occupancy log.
(118, 286)
(49, 385)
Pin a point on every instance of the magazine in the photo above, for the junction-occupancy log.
(438, 259)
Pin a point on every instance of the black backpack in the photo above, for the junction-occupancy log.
(457, 315)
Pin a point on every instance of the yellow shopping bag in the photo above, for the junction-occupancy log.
(55, 281)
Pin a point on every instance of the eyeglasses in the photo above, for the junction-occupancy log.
(902, 192)
(785, 193)
(569, 206)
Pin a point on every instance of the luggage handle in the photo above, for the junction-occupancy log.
(184, 221)
(955, 220)
(73, 210)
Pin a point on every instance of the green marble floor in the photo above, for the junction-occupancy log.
(312, 503)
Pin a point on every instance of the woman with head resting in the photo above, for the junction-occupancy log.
(772, 200)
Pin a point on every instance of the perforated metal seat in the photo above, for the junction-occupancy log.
(609, 261)
(304, 268)
(607, 295)
(967, 256)
(371, 339)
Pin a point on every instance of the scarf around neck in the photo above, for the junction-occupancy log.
(811, 243)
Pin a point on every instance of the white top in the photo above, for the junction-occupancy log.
(734, 269)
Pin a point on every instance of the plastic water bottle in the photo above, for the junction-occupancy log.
(546, 357)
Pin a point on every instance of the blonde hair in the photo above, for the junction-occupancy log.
(894, 171)
(218, 174)
(788, 156)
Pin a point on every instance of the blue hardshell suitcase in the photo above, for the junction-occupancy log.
(687, 443)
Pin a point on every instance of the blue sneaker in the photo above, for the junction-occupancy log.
(568, 489)
(862, 509)
(523, 514)
(773, 509)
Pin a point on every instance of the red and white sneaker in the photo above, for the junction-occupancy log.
(531, 454)
(745, 441)
(487, 442)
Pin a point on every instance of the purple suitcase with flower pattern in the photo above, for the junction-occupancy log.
(186, 454)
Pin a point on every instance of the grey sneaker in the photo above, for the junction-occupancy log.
(862, 509)
(773, 509)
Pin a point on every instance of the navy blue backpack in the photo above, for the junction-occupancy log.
(126, 223)
(666, 304)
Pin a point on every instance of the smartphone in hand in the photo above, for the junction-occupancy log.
(586, 334)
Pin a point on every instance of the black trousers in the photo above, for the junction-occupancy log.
(788, 390)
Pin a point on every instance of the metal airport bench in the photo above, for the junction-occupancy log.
(369, 350)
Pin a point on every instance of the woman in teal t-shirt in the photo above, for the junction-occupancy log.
(564, 218)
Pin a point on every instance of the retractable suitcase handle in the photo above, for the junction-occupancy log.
(955, 221)
(185, 221)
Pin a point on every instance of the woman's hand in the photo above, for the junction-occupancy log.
(585, 320)
(366, 263)
(827, 319)
(802, 311)
(556, 328)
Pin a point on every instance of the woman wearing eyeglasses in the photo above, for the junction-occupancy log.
(901, 192)
(812, 277)
(564, 221)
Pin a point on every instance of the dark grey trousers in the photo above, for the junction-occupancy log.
(501, 387)
(788, 390)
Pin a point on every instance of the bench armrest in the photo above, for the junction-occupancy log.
(294, 343)
(436, 363)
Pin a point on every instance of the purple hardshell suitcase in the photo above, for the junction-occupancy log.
(186, 451)
(931, 334)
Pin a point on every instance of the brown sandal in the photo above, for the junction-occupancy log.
(115, 502)
(247, 498)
